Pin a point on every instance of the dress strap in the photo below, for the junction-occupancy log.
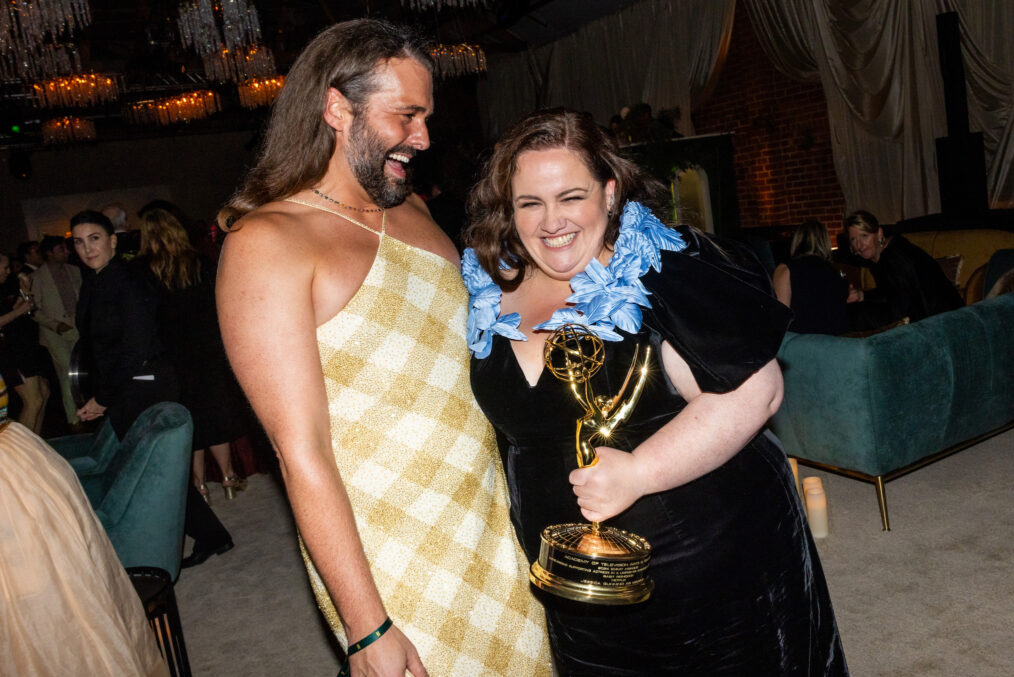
(383, 215)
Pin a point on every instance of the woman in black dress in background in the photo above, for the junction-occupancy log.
(738, 585)
(811, 286)
(116, 315)
(188, 327)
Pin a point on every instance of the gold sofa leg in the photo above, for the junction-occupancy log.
(878, 481)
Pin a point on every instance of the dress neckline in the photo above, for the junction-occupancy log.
(383, 216)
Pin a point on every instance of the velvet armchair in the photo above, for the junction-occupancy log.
(137, 486)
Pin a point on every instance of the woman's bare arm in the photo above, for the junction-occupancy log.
(708, 432)
(783, 284)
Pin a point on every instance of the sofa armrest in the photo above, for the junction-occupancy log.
(826, 415)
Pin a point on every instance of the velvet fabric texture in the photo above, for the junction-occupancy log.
(738, 585)
(138, 486)
(878, 404)
(819, 297)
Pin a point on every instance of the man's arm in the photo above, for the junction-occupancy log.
(266, 312)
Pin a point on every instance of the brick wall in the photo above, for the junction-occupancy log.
(784, 168)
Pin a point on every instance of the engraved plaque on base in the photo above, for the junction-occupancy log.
(602, 566)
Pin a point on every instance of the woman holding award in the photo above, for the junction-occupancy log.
(561, 237)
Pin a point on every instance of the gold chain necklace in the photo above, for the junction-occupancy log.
(342, 204)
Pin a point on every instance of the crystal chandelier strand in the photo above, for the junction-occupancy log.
(76, 90)
(426, 5)
(260, 92)
(170, 110)
(35, 37)
(227, 36)
(461, 59)
(67, 130)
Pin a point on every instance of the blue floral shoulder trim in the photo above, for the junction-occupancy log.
(605, 298)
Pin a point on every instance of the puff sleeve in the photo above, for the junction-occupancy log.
(717, 309)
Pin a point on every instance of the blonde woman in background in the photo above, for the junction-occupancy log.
(188, 326)
(811, 286)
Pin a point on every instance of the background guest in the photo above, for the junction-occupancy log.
(810, 285)
(910, 283)
(116, 317)
(66, 603)
(187, 325)
(30, 256)
(127, 241)
(55, 288)
(21, 358)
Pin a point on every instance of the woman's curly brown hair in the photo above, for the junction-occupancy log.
(492, 233)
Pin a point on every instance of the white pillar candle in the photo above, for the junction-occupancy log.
(794, 464)
(816, 510)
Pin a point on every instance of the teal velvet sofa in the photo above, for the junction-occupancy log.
(876, 408)
(137, 486)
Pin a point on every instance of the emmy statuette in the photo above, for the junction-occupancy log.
(591, 562)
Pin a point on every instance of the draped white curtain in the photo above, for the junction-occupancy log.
(879, 65)
(662, 52)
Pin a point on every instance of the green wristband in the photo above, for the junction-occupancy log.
(365, 642)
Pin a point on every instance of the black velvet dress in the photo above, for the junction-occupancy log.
(738, 586)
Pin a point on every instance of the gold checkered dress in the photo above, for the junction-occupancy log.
(422, 469)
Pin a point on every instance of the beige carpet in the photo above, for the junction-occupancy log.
(933, 597)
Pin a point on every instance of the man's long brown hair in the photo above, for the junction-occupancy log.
(299, 143)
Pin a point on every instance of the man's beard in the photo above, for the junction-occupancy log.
(367, 157)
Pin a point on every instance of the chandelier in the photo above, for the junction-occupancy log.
(260, 91)
(238, 65)
(35, 37)
(227, 36)
(424, 5)
(67, 130)
(76, 90)
(454, 60)
(170, 110)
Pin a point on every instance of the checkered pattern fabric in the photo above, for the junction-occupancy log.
(422, 470)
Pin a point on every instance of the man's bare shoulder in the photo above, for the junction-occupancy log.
(279, 230)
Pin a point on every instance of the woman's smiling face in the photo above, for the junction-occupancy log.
(560, 211)
(94, 245)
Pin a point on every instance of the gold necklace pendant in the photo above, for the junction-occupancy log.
(364, 210)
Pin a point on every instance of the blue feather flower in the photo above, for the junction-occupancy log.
(605, 297)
